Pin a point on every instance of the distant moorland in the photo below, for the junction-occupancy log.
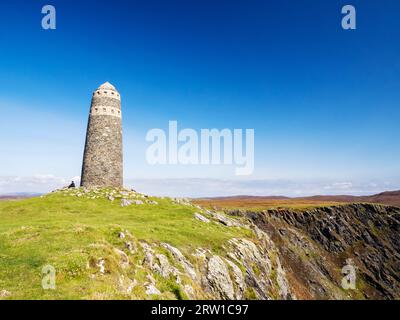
(266, 202)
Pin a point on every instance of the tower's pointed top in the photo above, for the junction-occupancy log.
(107, 86)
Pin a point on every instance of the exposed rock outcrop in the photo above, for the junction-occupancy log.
(315, 244)
(218, 280)
(291, 254)
(200, 217)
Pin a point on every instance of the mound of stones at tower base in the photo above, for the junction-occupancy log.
(126, 197)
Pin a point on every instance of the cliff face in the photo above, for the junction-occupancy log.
(315, 245)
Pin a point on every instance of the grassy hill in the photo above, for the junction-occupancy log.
(119, 244)
(73, 230)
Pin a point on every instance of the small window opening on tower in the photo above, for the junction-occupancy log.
(104, 109)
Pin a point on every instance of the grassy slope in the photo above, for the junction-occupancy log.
(69, 232)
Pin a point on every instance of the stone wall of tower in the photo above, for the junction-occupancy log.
(103, 158)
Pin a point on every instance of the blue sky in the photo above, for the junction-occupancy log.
(324, 102)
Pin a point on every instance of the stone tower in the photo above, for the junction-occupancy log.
(102, 160)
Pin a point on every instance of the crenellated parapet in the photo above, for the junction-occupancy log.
(107, 93)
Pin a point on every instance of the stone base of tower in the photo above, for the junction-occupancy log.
(102, 164)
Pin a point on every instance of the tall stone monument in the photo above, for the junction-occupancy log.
(102, 160)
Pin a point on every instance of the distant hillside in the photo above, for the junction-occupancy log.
(19, 195)
(391, 198)
(245, 197)
(387, 198)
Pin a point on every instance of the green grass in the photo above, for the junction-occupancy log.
(70, 233)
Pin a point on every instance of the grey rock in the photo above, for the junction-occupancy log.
(218, 280)
(125, 202)
(152, 290)
(239, 280)
(284, 290)
(130, 287)
(189, 291)
(121, 235)
(165, 267)
(198, 216)
(201, 253)
(101, 265)
(249, 255)
(224, 220)
(180, 258)
(5, 294)
(148, 254)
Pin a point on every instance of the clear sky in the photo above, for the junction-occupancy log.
(324, 102)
